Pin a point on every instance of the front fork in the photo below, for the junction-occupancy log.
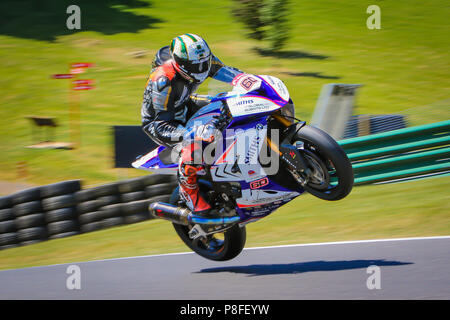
(289, 154)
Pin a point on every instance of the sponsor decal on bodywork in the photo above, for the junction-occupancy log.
(259, 183)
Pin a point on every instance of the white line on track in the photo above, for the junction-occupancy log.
(252, 248)
(349, 242)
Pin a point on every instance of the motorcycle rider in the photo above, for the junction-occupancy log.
(170, 100)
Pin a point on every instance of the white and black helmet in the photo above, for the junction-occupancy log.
(191, 57)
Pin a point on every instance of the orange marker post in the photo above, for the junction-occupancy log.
(76, 86)
(74, 99)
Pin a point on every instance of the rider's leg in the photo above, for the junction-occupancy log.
(189, 165)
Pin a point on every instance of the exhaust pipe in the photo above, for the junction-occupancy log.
(169, 212)
(185, 216)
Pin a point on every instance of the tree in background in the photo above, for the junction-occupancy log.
(249, 13)
(274, 15)
(266, 19)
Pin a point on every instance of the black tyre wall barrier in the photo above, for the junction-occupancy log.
(64, 209)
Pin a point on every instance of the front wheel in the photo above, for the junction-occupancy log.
(219, 246)
(331, 173)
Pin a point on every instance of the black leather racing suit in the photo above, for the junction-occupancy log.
(169, 100)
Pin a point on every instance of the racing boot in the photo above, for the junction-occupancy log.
(188, 180)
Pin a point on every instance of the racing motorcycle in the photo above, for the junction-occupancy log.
(241, 181)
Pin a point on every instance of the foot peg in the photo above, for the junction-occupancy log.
(197, 232)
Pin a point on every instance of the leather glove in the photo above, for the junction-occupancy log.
(207, 133)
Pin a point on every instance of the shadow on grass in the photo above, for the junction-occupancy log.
(46, 19)
(288, 54)
(302, 267)
(318, 75)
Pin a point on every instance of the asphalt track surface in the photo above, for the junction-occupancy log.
(410, 268)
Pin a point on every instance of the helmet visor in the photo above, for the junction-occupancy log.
(195, 67)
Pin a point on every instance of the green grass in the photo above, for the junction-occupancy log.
(416, 208)
(402, 66)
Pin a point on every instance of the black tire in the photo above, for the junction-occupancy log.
(26, 208)
(157, 179)
(6, 202)
(64, 235)
(84, 195)
(137, 217)
(133, 196)
(90, 227)
(8, 226)
(90, 217)
(108, 200)
(111, 211)
(135, 207)
(88, 206)
(160, 189)
(218, 250)
(112, 222)
(161, 198)
(59, 202)
(8, 238)
(131, 185)
(101, 191)
(60, 188)
(8, 246)
(142, 205)
(61, 214)
(28, 195)
(7, 214)
(325, 152)
(29, 234)
(62, 227)
(30, 221)
(29, 242)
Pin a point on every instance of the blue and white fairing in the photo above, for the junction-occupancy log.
(152, 162)
(254, 95)
(252, 99)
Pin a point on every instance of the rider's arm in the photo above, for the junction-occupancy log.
(200, 100)
(158, 115)
(221, 72)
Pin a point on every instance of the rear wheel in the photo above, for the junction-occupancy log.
(331, 173)
(219, 246)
